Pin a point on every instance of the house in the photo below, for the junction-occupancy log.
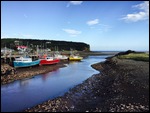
(21, 48)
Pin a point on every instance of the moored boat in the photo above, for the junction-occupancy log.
(59, 56)
(45, 60)
(25, 62)
(75, 58)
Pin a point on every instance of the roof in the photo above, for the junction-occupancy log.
(21, 46)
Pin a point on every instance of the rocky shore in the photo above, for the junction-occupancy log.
(121, 86)
(10, 74)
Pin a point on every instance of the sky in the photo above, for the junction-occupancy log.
(104, 25)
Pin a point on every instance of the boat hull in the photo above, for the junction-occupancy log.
(75, 59)
(26, 64)
(48, 62)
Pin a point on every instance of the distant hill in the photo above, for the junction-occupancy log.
(52, 44)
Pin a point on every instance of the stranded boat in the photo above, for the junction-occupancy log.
(59, 56)
(25, 62)
(45, 60)
(75, 58)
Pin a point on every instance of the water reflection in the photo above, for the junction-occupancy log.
(24, 82)
(26, 93)
(46, 75)
(72, 62)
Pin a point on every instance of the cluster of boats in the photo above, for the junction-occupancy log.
(44, 60)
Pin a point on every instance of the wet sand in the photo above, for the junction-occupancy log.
(121, 86)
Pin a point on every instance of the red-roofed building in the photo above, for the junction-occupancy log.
(23, 48)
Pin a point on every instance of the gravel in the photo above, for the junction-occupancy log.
(121, 86)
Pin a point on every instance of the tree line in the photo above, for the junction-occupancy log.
(44, 44)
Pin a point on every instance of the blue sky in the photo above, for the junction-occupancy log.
(105, 25)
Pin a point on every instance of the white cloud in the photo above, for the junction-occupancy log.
(93, 22)
(143, 14)
(143, 6)
(135, 17)
(74, 3)
(72, 32)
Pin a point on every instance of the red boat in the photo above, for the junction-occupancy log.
(48, 60)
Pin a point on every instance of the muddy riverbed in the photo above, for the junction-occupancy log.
(122, 86)
(12, 74)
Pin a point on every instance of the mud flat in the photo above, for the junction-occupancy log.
(11, 74)
(121, 86)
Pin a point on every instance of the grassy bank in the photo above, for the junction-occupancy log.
(135, 56)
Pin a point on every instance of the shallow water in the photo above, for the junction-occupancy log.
(22, 94)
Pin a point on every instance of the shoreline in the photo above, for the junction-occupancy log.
(121, 86)
(28, 72)
(124, 88)
(12, 74)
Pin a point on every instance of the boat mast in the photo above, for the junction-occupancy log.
(37, 50)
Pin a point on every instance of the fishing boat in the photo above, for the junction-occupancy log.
(75, 58)
(59, 56)
(25, 62)
(45, 60)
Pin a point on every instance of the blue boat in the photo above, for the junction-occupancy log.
(25, 62)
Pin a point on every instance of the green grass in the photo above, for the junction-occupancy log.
(136, 56)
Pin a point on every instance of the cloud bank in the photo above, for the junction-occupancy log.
(143, 13)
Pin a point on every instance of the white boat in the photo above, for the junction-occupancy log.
(59, 56)
(24, 59)
(25, 62)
